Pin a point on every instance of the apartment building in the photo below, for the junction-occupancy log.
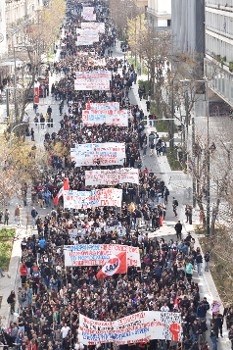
(159, 14)
(219, 47)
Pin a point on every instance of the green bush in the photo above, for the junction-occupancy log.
(6, 244)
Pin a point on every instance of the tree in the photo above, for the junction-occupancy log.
(121, 11)
(153, 48)
(20, 165)
(40, 37)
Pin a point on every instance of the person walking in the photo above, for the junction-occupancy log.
(34, 214)
(6, 217)
(178, 229)
(17, 215)
(207, 259)
(11, 300)
(174, 206)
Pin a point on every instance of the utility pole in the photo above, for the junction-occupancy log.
(208, 161)
(15, 85)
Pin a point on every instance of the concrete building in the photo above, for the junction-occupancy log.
(18, 14)
(159, 14)
(188, 26)
(219, 47)
(3, 41)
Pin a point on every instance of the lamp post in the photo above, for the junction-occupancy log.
(207, 160)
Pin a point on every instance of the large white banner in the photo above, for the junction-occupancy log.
(89, 154)
(89, 17)
(87, 39)
(87, 10)
(93, 80)
(105, 197)
(108, 117)
(111, 177)
(113, 106)
(99, 26)
(140, 327)
(98, 254)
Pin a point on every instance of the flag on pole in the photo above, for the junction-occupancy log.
(115, 265)
(60, 193)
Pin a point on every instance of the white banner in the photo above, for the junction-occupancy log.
(105, 197)
(113, 106)
(98, 254)
(108, 117)
(100, 27)
(93, 80)
(85, 39)
(140, 327)
(111, 177)
(87, 10)
(89, 154)
(89, 17)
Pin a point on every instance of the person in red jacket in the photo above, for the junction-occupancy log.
(23, 273)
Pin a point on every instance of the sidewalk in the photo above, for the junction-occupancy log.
(178, 182)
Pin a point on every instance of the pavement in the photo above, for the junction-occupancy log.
(178, 183)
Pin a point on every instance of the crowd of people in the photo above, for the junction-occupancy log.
(52, 295)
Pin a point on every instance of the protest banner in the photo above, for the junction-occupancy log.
(99, 26)
(111, 176)
(140, 327)
(89, 154)
(113, 106)
(108, 117)
(87, 39)
(98, 254)
(93, 80)
(89, 17)
(105, 197)
(87, 10)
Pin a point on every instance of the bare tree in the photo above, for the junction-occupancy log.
(40, 37)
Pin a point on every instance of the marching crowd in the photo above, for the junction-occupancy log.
(52, 295)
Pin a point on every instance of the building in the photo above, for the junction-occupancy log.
(188, 26)
(3, 41)
(219, 47)
(20, 13)
(159, 14)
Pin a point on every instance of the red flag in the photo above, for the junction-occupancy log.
(88, 104)
(60, 193)
(115, 265)
(36, 95)
(176, 303)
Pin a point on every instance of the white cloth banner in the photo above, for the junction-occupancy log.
(100, 27)
(89, 17)
(113, 106)
(111, 177)
(105, 197)
(98, 254)
(87, 10)
(117, 118)
(93, 80)
(89, 154)
(87, 39)
(140, 327)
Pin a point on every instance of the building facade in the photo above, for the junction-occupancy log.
(219, 47)
(159, 14)
(188, 26)
(3, 39)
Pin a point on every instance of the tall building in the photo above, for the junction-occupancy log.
(3, 41)
(188, 26)
(219, 47)
(159, 14)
